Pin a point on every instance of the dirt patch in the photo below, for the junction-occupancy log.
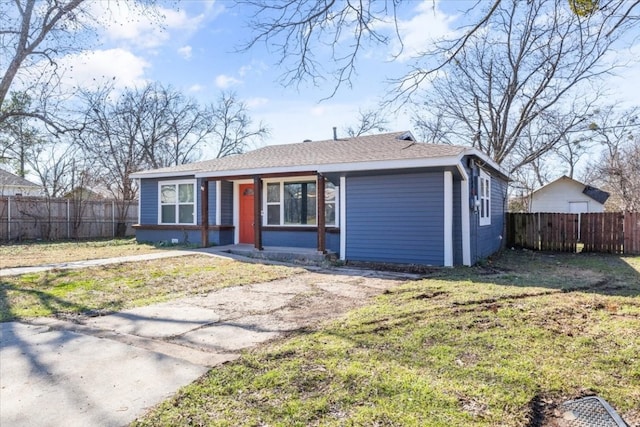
(423, 270)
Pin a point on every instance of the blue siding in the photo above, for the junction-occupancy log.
(187, 237)
(221, 237)
(212, 203)
(457, 222)
(396, 218)
(148, 201)
(333, 242)
(227, 203)
(488, 239)
(300, 239)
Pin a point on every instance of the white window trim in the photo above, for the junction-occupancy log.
(195, 201)
(484, 220)
(299, 179)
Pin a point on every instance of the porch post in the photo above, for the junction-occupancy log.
(322, 247)
(204, 213)
(257, 211)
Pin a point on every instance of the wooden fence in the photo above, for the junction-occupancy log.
(31, 218)
(608, 232)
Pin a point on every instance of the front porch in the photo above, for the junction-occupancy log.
(280, 210)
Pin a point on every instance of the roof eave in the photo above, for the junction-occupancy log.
(169, 174)
(339, 167)
(488, 160)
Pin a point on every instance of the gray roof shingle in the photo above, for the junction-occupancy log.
(371, 148)
(9, 179)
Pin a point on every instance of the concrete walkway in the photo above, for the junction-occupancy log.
(109, 370)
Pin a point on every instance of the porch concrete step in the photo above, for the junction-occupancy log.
(285, 254)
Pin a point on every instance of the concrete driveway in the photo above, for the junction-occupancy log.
(109, 370)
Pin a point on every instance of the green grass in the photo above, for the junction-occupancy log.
(63, 293)
(475, 346)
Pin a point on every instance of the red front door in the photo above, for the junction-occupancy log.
(247, 234)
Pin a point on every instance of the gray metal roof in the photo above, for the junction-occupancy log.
(371, 148)
(9, 179)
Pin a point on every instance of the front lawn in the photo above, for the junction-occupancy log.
(100, 290)
(497, 344)
(38, 253)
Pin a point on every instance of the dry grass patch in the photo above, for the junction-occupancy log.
(38, 253)
(492, 345)
(91, 291)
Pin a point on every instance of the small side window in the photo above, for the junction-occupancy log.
(484, 190)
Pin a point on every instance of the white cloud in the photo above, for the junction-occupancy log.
(255, 67)
(256, 102)
(196, 88)
(128, 22)
(225, 82)
(429, 23)
(318, 111)
(185, 52)
(91, 68)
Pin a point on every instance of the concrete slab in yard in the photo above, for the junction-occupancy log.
(61, 378)
(226, 337)
(108, 370)
(156, 321)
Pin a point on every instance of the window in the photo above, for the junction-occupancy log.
(484, 190)
(295, 203)
(177, 202)
(299, 203)
(273, 203)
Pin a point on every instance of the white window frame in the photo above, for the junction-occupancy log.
(297, 179)
(176, 183)
(484, 197)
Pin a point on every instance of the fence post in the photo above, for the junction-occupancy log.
(68, 225)
(8, 217)
(113, 218)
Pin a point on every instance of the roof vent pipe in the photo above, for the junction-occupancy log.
(335, 133)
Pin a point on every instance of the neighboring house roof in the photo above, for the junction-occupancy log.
(7, 179)
(590, 191)
(83, 193)
(325, 156)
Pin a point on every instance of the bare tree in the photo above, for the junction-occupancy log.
(516, 91)
(294, 30)
(367, 121)
(18, 135)
(231, 126)
(111, 136)
(34, 35)
(154, 127)
(56, 164)
(616, 170)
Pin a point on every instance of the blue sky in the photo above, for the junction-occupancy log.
(195, 52)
